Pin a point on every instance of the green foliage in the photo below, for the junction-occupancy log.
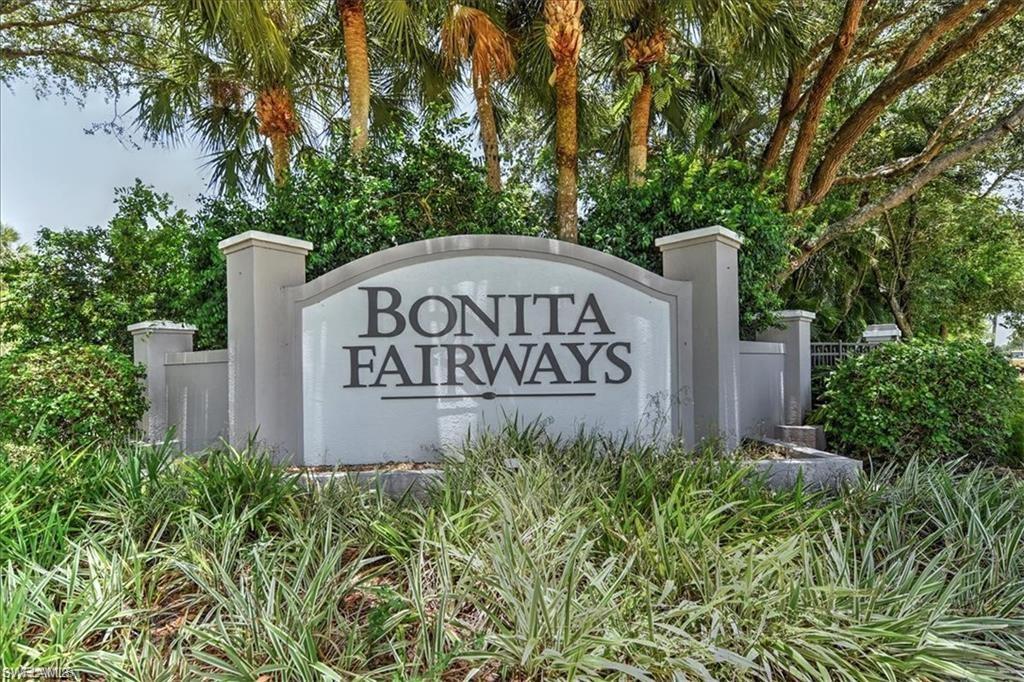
(11, 258)
(683, 193)
(68, 393)
(1015, 453)
(42, 495)
(96, 44)
(9, 247)
(50, 493)
(153, 261)
(88, 286)
(226, 480)
(402, 189)
(216, 62)
(949, 258)
(968, 262)
(588, 560)
(922, 398)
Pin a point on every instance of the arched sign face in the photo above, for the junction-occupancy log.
(414, 352)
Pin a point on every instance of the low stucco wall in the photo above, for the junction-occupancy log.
(761, 395)
(197, 397)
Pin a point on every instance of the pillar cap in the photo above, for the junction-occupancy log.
(795, 315)
(881, 332)
(715, 233)
(266, 240)
(162, 326)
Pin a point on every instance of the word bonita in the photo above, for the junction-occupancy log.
(488, 351)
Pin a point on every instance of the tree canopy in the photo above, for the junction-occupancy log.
(888, 133)
(67, 47)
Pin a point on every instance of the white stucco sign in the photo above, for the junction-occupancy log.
(402, 363)
(408, 351)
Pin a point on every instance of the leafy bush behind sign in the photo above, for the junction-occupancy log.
(935, 399)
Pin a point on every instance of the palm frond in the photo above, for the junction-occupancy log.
(471, 34)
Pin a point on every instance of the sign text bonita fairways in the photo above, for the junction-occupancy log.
(549, 353)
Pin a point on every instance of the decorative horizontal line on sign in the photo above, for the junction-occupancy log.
(489, 395)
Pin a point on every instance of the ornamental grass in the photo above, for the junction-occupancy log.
(587, 559)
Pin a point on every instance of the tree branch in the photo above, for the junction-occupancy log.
(868, 37)
(818, 96)
(897, 82)
(16, 53)
(10, 8)
(788, 107)
(892, 169)
(932, 147)
(109, 65)
(997, 181)
(793, 95)
(72, 16)
(894, 305)
(986, 139)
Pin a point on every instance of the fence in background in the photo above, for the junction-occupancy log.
(828, 354)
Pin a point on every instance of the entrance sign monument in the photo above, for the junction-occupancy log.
(408, 351)
(446, 347)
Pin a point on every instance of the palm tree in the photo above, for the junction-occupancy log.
(8, 242)
(237, 77)
(564, 34)
(357, 64)
(469, 33)
(275, 111)
(678, 52)
(275, 105)
(644, 50)
(392, 70)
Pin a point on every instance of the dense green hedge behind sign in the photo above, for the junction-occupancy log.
(683, 193)
(402, 190)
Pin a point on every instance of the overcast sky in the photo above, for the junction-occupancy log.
(53, 174)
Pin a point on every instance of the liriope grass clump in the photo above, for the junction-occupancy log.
(536, 557)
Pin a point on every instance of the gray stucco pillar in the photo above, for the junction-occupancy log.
(151, 342)
(795, 334)
(262, 382)
(708, 259)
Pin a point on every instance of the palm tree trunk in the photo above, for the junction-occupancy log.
(639, 125)
(280, 145)
(488, 135)
(564, 33)
(357, 63)
(566, 152)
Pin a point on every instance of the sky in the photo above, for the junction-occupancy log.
(1003, 335)
(53, 174)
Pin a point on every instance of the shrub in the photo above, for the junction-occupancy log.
(44, 492)
(228, 481)
(88, 285)
(152, 261)
(683, 193)
(588, 561)
(1015, 455)
(927, 398)
(68, 393)
(402, 189)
